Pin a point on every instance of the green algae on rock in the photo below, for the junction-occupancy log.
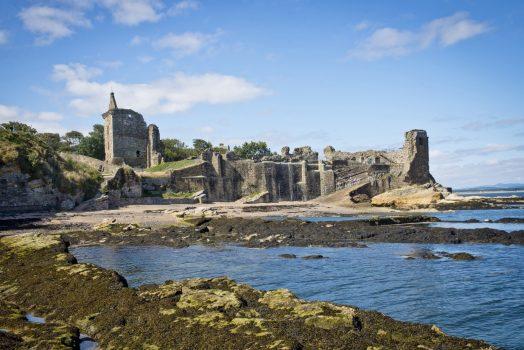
(38, 274)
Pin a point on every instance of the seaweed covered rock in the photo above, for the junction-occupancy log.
(199, 313)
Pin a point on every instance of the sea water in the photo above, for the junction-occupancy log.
(481, 299)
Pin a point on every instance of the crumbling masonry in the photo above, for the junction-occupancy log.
(128, 140)
(296, 176)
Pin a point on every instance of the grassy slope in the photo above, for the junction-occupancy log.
(167, 166)
(28, 152)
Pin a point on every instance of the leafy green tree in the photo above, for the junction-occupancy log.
(15, 129)
(174, 149)
(71, 140)
(221, 148)
(200, 145)
(52, 140)
(93, 144)
(22, 145)
(252, 150)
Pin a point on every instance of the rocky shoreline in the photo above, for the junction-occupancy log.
(38, 274)
(262, 233)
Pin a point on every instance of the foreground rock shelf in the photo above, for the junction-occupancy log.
(38, 274)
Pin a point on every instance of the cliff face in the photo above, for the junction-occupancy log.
(34, 177)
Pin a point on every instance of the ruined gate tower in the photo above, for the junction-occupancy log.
(127, 138)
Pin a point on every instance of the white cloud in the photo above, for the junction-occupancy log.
(111, 64)
(50, 23)
(492, 124)
(207, 129)
(137, 40)
(43, 121)
(8, 113)
(133, 12)
(74, 71)
(391, 42)
(361, 26)
(183, 6)
(49, 116)
(145, 59)
(3, 37)
(185, 43)
(490, 171)
(175, 93)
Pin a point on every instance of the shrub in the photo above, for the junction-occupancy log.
(21, 146)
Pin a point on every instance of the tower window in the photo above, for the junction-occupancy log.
(420, 141)
(138, 153)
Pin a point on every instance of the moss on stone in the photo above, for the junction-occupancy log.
(328, 322)
(202, 313)
(208, 299)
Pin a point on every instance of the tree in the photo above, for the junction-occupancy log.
(93, 144)
(174, 149)
(51, 139)
(221, 148)
(252, 150)
(201, 145)
(72, 139)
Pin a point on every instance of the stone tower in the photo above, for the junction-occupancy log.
(154, 157)
(416, 157)
(127, 138)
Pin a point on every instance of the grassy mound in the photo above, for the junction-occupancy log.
(21, 147)
(179, 164)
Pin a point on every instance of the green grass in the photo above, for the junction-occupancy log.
(173, 165)
(170, 195)
(23, 148)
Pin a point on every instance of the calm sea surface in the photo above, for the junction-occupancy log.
(476, 299)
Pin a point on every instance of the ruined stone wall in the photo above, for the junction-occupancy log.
(154, 156)
(416, 158)
(230, 180)
(126, 138)
(190, 179)
(20, 194)
(224, 178)
(94, 163)
(383, 170)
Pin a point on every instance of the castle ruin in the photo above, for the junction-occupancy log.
(289, 176)
(127, 138)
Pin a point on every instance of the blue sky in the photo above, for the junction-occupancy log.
(351, 74)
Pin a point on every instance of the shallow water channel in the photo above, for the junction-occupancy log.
(482, 298)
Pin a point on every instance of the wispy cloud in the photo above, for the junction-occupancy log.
(50, 23)
(206, 129)
(186, 43)
(175, 93)
(497, 123)
(145, 59)
(183, 6)
(362, 26)
(392, 42)
(42, 121)
(444, 157)
(111, 64)
(466, 174)
(4, 37)
(133, 12)
(137, 40)
(59, 20)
